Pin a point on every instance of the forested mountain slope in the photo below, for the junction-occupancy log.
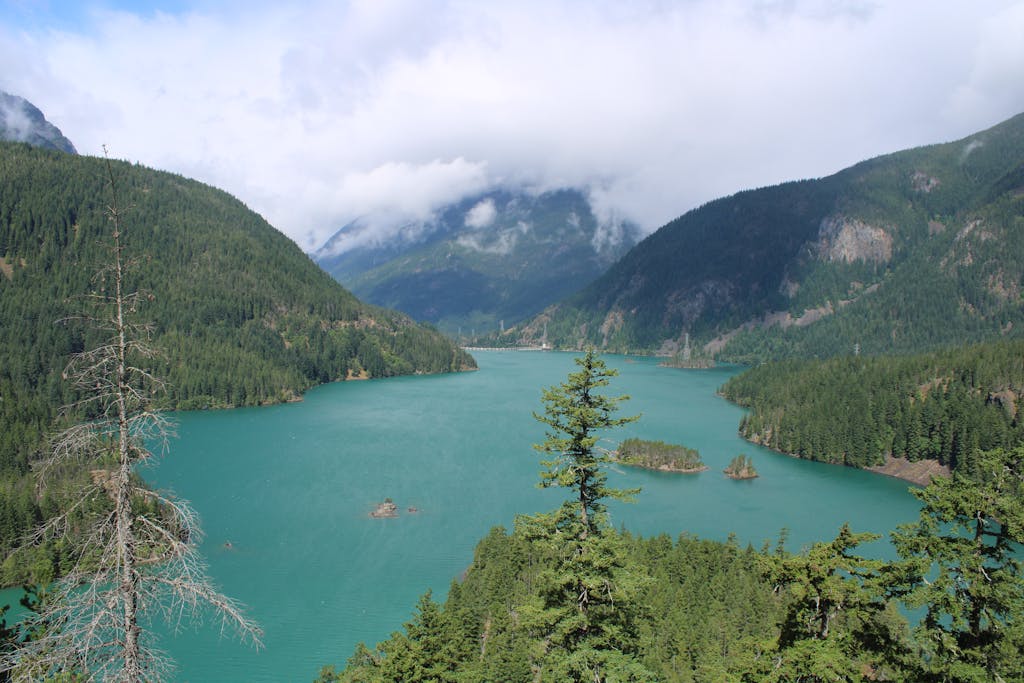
(240, 314)
(910, 251)
(499, 256)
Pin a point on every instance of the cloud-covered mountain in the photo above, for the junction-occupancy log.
(21, 121)
(498, 256)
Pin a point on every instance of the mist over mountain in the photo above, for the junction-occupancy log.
(902, 253)
(492, 258)
(21, 121)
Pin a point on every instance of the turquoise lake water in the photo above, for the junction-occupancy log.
(290, 489)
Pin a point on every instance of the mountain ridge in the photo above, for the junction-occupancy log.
(804, 267)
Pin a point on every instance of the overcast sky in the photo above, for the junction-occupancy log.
(318, 113)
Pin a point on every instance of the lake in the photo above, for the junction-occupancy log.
(285, 492)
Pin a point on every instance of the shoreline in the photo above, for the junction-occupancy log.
(664, 468)
(918, 473)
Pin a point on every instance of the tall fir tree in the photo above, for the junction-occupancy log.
(576, 415)
(586, 610)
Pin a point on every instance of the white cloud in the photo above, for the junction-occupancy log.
(482, 215)
(320, 114)
(501, 244)
(15, 120)
(398, 200)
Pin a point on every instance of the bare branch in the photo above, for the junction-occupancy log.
(131, 558)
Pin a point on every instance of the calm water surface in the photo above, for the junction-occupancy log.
(284, 493)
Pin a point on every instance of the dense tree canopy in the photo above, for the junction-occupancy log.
(856, 410)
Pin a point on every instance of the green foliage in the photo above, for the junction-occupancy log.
(8, 640)
(242, 316)
(659, 455)
(585, 609)
(838, 623)
(576, 413)
(856, 410)
(967, 571)
(692, 609)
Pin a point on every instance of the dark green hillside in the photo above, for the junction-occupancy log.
(942, 406)
(499, 256)
(242, 316)
(907, 252)
(718, 265)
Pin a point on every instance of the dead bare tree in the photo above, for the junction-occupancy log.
(138, 558)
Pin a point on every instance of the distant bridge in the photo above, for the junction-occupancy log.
(542, 347)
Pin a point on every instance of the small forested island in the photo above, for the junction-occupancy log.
(741, 467)
(658, 455)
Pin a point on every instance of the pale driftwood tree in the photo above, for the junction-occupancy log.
(137, 560)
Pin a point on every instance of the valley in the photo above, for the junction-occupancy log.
(876, 313)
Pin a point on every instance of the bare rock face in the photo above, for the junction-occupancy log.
(1007, 399)
(924, 183)
(385, 509)
(848, 239)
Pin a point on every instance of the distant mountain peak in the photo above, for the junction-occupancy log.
(22, 121)
(497, 255)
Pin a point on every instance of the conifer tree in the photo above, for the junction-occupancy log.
(838, 622)
(968, 572)
(576, 413)
(585, 609)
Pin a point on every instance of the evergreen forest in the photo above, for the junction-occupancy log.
(659, 455)
(856, 410)
(887, 298)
